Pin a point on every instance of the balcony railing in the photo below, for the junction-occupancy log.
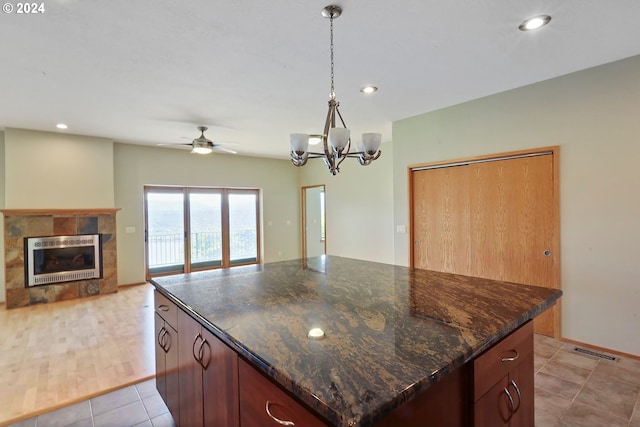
(168, 249)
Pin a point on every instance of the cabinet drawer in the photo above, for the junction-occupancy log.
(166, 309)
(495, 363)
(259, 395)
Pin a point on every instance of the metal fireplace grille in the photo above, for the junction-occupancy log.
(56, 259)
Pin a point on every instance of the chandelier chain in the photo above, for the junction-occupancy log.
(332, 94)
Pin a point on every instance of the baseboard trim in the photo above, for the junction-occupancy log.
(132, 284)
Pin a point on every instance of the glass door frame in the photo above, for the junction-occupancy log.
(304, 218)
(186, 191)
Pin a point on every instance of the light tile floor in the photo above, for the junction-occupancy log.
(576, 390)
(138, 405)
(571, 390)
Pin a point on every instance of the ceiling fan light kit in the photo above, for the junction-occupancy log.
(203, 145)
(336, 141)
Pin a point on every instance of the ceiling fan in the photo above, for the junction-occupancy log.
(203, 145)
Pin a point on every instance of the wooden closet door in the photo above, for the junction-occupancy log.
(513, 224)
(441, 219)
(494, 219)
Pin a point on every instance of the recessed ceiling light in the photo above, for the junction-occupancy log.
(61, 126)
(534, 23)
(368, 89)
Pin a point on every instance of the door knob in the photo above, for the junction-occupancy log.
(547, 253)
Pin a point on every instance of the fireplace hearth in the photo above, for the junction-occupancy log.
(58, 259)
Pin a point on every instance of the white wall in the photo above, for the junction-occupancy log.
(54, 170)
(593, 115)
(136, 166)
(359, 204)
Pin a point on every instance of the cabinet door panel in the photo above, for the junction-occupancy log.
(494, 408)
(220, 383)
(161, 367)
(523, 379)
(172, 374)
(191, 410)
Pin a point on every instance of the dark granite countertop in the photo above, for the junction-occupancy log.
(391, 331)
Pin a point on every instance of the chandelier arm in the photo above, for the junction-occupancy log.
(315, 155)
(329, 152)
(328, 124)
(363, 154)
(340, 162)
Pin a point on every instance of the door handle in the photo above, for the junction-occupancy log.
(193, 347)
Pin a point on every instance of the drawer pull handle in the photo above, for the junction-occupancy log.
(276, 419)
(513, 383)
(511, 411)
(163, 307)
(512, 358)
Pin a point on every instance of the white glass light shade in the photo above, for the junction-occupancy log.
(339, 138)
(201, 150)
(299, 143)
(370, 143)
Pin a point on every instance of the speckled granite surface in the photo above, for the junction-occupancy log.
(390, 331)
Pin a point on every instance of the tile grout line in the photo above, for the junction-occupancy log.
(93, 422)
(143, 405)
(573, 400)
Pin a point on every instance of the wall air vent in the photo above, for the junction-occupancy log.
(594, 354)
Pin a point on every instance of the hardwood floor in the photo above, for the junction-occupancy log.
(55, 354)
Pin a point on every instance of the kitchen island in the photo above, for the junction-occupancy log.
(391, 336)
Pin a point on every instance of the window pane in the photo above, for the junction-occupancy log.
(243, 234)
(165, 216)
(206, 229)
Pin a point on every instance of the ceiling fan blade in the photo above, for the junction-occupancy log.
(224, 149)
(174, 145)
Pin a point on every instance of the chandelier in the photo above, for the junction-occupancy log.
(336, 141)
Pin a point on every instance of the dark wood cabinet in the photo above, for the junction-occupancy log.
(503, 382)
(208, 373)
(264, 404)
(166, 343)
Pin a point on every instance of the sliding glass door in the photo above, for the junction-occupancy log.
(164, 231)
(205, 221)
(189, 229)
(243, 234)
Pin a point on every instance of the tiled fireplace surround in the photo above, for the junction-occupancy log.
(21, 223)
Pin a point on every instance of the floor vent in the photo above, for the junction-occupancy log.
(595, 354)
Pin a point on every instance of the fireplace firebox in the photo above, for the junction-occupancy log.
(57, 259)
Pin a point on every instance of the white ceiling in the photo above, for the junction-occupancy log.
(150, 71)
